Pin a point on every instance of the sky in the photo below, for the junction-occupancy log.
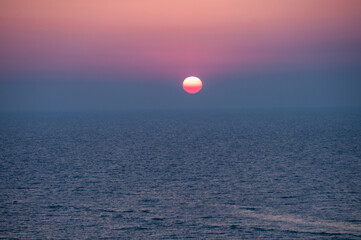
(99, 55)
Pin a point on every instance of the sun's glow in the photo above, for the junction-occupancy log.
(192, 85)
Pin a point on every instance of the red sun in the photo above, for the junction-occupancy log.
(192, 85)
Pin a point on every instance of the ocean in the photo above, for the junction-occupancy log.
(262, 174)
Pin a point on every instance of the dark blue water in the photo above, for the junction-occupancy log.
(179, 175)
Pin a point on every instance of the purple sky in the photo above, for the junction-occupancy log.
(110, 55)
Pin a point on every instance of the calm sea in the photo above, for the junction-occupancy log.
(181, 175)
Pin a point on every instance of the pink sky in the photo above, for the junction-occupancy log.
(176, 38)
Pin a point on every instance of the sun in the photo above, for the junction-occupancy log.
(192, 85)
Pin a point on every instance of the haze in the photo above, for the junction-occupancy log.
(114, 55)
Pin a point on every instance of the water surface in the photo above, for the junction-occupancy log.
(179, 175)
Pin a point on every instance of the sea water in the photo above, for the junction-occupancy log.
(181, 175)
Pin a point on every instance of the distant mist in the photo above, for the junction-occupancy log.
(272, 90)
